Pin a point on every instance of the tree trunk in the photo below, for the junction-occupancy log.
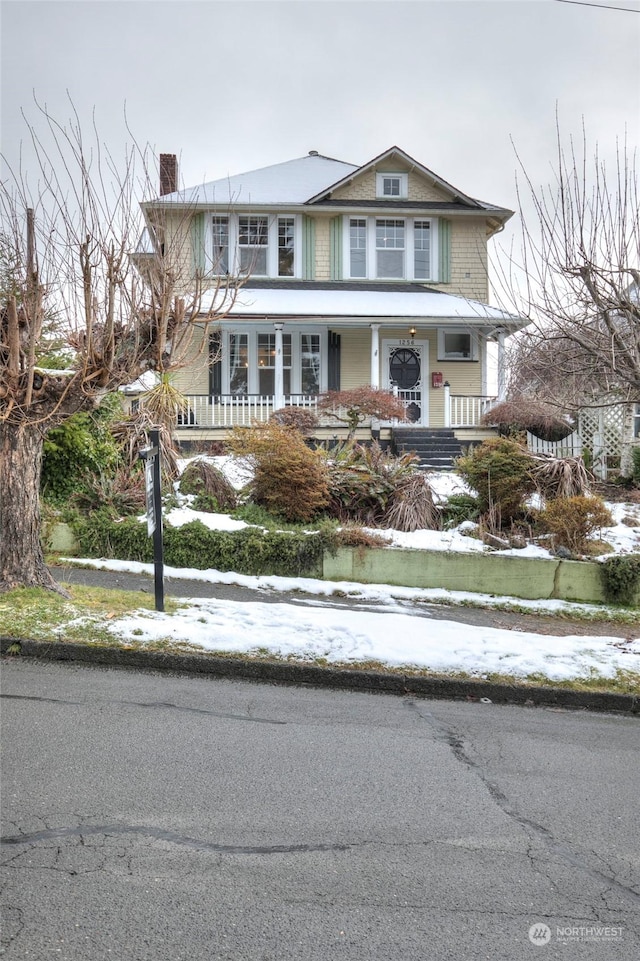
(21, 557)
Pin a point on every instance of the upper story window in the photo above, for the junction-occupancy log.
(286, 246)
(262, 245)
(220, 232)
(392, 186)
(253, 243)
(381, 248)
(390, 248)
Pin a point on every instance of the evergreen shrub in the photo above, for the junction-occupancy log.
(499, 470)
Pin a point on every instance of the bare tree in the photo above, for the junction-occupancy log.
(67, 247)
(578, 281)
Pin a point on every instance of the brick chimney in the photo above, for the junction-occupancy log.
(168, 173)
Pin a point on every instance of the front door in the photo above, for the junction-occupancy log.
(406, 363)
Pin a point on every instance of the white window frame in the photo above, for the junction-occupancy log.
(636, 421)
(273, 220)
(403, 180)
(253, 380)
(409, 248)
(473, 343)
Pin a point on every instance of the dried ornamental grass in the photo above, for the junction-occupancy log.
(560, 476)
(412, 507)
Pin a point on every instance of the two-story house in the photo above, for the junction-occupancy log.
(374, 274)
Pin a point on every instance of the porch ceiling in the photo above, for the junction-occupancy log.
(334, 303)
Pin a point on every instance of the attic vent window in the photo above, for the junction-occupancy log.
(391, 186)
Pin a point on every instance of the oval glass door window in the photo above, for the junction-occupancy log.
(404, 368)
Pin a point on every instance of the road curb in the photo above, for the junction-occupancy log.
(278, 672)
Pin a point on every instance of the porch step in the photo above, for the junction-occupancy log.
(436, 448)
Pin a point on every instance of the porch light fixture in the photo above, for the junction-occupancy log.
(412, 331)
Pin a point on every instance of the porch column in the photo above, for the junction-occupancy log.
(375, 358)
(447, 404)
(278, 399)
(502, 380)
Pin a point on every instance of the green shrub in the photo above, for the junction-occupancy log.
(621, 578)
(460, 508)
(248, 551)
(500, 471)
(571, 521)
(80, 448)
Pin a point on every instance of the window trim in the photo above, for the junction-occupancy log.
(404, 185)
(409, 248)
(272, 245)
(452, 358)
(296, 332)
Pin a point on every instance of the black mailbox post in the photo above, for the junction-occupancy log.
(151, 457)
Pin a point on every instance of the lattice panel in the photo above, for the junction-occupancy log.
(608, 421)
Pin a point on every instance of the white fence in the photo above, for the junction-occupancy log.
(570, 446)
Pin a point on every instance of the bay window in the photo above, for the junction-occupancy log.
(286, 246)
(385, 248)
(262, 245)
(245, 363)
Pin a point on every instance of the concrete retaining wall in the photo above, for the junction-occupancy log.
(524, 577)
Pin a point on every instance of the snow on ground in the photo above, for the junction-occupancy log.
(390, 634)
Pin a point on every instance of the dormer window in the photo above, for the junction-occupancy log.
(391, 186)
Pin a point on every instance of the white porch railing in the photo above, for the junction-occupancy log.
(466, 410)
(229, 410)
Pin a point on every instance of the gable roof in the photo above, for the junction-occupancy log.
(387, 155)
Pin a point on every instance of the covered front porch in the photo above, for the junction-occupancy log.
(285, 344)
(222, 411)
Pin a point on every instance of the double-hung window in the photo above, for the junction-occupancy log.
(220, 232)
(253, 244)
(385, 248)
(422, 249)
(261, 245)
(390, 248)
(286, 246)
(358, 246)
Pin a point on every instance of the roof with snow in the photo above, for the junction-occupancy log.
(311, 180)
(351, 302)
(292, 182)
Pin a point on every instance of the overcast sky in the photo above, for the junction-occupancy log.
(231, 86)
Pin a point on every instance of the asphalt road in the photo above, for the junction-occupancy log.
(151, 817)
